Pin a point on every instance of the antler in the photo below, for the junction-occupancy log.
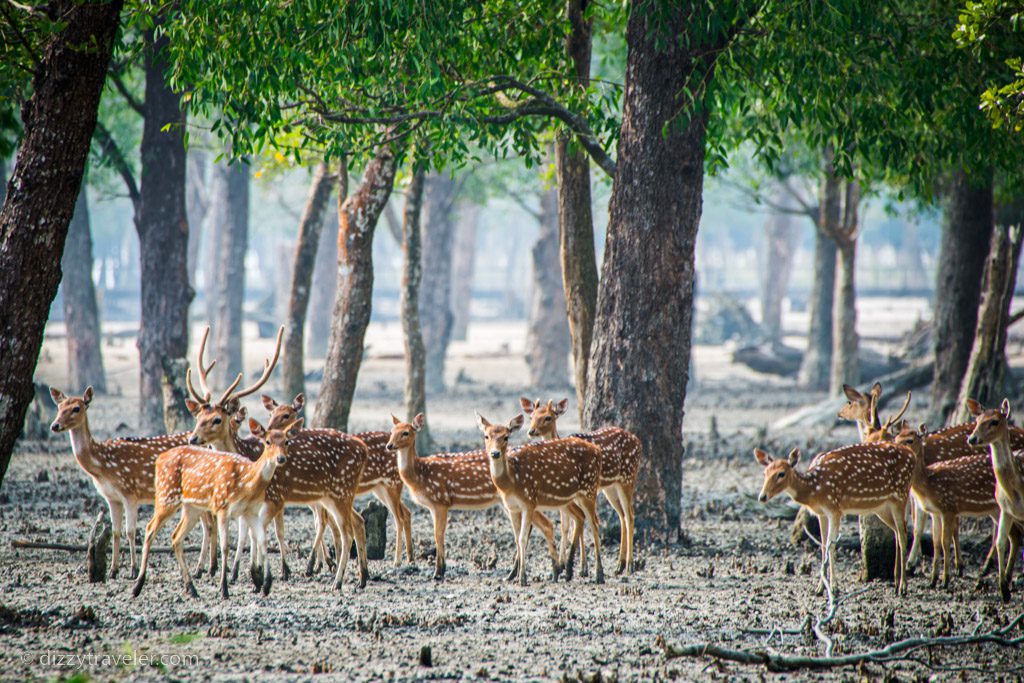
(895, 418)
(267, 369)
(205, 398)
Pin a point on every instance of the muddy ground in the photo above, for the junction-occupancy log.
(733, 576)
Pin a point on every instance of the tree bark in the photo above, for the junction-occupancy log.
(985, 379)
(325, 276)
(213, 236)
(230, 280)
(310, 227)
(81, 315)
(439, 190)
(58, 121)
(412, 274)
(463, 269)
(640, 357)
(197, 204)
(845, 348)
(572, 168)
(966, 234)
(777, 261)
(357, 220)
(548, 343)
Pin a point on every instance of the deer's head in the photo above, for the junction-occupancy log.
(911, 438)
(543, 418)
(989, 425)
(861, 407)
(403, 434)
(283, 413)
(70, 409)
(496, 436)
(275, 441)
(778, 473)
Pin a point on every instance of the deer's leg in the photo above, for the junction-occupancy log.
(222, 535)
(544, 525)
(131, 512)
(392, 499)
(317, 551)
(919, 518)
(949, 537)
(589, 506)
(440, 515)
(523, 541)
(117, 527)
(243, 535)
(160, 517)
(344, 544)
(259, 526)
(958, 560)
(1015, 543)
(936, 549)
(204, 547)
(578, 517)
(406, 522)
(515, 518)
(627, 507)
(286, 571)
(189, 518)
(833, 536)
(823, 533)
(563, 533)
(1002, 555)
(613, 494)
(359, 534)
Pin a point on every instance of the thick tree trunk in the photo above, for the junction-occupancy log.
(81, 315)
(845, 365)
(985, 379)
(58, 121)
(777, 252)
(230, 270)
(412, 274)
(197, 205)
(357, 220)
(463, 269)
(438, 223)
(325, 277)
(816, 369)
(162, 225)
(572, 168)
(641, 350)
(548, 343)
(877, 549)
(310, 227)
(966, 234)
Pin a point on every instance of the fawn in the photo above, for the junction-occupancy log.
(226, 484)
(544, 476)
(620, 461)
(452, 481)
(863, 479)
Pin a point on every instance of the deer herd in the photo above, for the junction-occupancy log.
(213, 475)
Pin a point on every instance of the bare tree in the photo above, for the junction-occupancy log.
(548, 342)
(325, 276)
(197, 204)
(845, 347)
(463, 268)
(229, 282)
(81, 314)
(439, 194)
(412, 274)
(777, 251)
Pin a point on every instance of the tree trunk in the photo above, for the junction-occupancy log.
(463, 269)
(357, 220)
(213, 237)
(230, 280)
(81, 315)
(966, 234)
(438, 224)
(162, 225)
(877, 549)
(325, 276)
(310, 227)
(641, 350)
(845, 366)
(197, 204)
(412, 274)
(58, 121)
(985, 379)
(572, 168)
(778, 248)
(548, 343)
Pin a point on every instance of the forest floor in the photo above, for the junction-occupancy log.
(733, 577)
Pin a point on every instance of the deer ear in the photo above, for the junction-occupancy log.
(299, 402)
(1004, 407)
(852, 393)
(418, 421)
(974, 407)
(526, 404)
(268, 402)
(256, 428)
(762, 458)
(515, 423)
(87, 396)
(923, 428)
(292, 430)
(56, 395)
(561, 406)
(482, 423)
(394, 420)
(794, 457)
(232, 406)
(193, 406)
(241, 414)
(876, 389)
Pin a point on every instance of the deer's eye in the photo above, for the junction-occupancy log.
(504, 438)
(76, 409)
(405, 433)
(217, 420)
(780, 475)
(287, 442)
(547, 419)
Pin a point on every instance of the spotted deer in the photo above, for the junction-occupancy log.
(992, 429)
(863, 479)
(451, 481)
(620, 461)
(120, 469)
(380, 476)
(228, 485)
(543, 476)
(949, 490)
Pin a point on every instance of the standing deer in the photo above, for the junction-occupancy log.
(544, 476)
(864, 479)
(225, 484)
(380, 476)
(120, 469)
(620, 461)
(452, 481)
(992, 429)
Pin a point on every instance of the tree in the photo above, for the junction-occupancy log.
(777, 250)
(310, 226)
(845, 363)
(81, 315)
(440, 192)
(325, 276)
(548, 342)
(412, 273)
(463, 268)
(232, 215)
(197, 202)
(58, 120)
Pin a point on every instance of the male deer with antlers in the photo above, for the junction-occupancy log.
(225, 484)
(992, 429)
(620, 461)
(380, 476)
(545, 476)
(863, 479)
(452, 481)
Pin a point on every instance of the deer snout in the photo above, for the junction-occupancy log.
(390, 446)
(762, 498)
(55, 427)
(495, 454)
(533, 432)
(282, 459)
(972, 440)
(193, 440)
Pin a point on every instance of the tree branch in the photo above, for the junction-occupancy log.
(110, 150)
(119, 85)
